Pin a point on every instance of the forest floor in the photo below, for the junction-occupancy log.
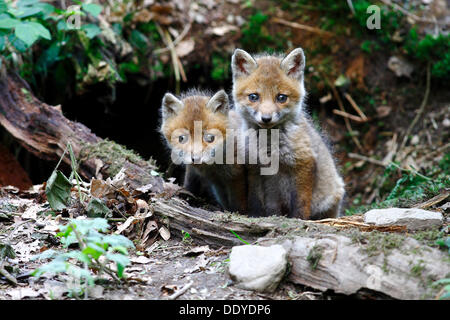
(364, 147)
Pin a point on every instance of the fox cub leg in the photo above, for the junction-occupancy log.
(304, 182)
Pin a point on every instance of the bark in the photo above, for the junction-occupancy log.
(345, 260)
(44, 131)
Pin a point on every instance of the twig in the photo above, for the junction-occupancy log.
(350, 4)
(355, 106)
(301, 26)
(181, 291)
(177, 40)
(421, 109)
(361, 157)
(165, 36)
(348, 115)
(341, 106)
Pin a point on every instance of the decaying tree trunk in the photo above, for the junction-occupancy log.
(322, 257)
(45, 132)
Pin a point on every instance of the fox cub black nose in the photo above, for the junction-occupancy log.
(266, 119)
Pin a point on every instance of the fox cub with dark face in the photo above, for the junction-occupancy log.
(195, 129)
(269, 93)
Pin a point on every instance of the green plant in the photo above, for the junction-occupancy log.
(445, 292)
(220, 67)
(254, 36)
(90, 261)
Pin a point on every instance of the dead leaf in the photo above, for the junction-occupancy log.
(383, 111)
(185, 47)
(222, 30)
(197, 251)
(141, 260)
(165, 234)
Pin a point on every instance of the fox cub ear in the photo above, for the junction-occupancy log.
(294, 63)
(171, 105)
(242, 63)
(219, 102)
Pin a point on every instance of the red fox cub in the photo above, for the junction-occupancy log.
(269, 92)
(194, 128)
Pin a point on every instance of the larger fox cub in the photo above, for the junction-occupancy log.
(195, 128)
(269, 92)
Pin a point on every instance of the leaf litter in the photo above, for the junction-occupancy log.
(160, 266)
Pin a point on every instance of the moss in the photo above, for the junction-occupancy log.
(417, 269)
(428, 237)
(114, 155)
(379, 242)
(314, 256)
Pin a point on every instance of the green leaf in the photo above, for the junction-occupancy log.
(139, 40)
(3, 6)
(26, 34)
(94, 251)
(9, 23)
(47, 254)
(96, 208)
(27, 12)
(2, 42)
(92, 8)
(118, 240)
(91, 30)
(58, 190)
(17, 43)
(120, 260)
(6, 251)
(40, 30)
(55, 266)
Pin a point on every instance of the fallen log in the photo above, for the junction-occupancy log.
(343, 259)
(44, 131)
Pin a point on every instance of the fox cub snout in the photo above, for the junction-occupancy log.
(268, 92)
(195, 126)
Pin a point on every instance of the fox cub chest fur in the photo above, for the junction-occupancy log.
(195, 129)
(269, 91)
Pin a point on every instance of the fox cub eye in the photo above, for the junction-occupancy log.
(253, 97)
(209, 137)
(183, 138)
(281, 98)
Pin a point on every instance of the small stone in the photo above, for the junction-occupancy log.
(412, 218)
(257, 268)
(400, 66)
(446, 122)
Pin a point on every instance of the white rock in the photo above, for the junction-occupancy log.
(257, 268)
(412, 218)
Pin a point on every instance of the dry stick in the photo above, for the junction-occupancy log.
(361, 157)
(348, 115)
(355, 106)
(167, 41)
(181, 291)
(421, 109)
(302, 26)
(341, 106)
(177, 40)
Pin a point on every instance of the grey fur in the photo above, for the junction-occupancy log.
(277, 194)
